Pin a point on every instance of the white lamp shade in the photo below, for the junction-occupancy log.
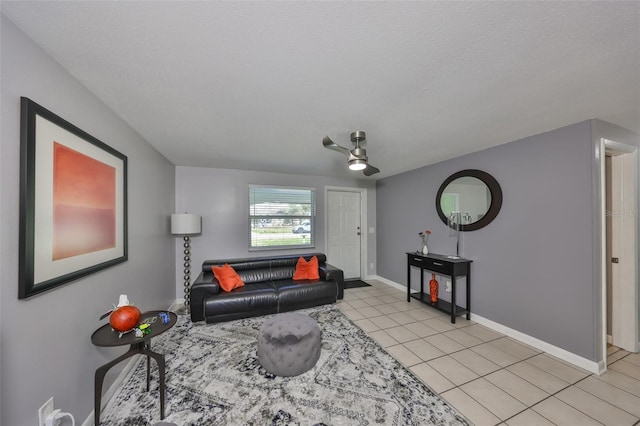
(186, 224)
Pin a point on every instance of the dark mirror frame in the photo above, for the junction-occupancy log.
(496, 198)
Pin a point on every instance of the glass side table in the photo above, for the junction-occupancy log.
(106, 336)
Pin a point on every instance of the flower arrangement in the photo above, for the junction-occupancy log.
(424, 236)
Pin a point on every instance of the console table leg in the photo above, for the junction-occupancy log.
(469, 293)
(453, 299)
(408, 282)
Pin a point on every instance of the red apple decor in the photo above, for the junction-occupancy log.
(124, 318)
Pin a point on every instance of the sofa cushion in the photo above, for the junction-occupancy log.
(291, 260)
(282, 273)
(262, 262)
(239, 264)
(307, 270)
(292, 294)
(251, 299)
(227, 277)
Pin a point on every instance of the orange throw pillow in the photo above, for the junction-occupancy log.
(307, 270)
(227, 277)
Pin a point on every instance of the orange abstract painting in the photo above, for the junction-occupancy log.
(84, 204)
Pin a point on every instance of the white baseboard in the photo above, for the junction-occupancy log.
(177, 304)
(581, 362)
(388, 282)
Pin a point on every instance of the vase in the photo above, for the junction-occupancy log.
(433, 289)
(425, 249)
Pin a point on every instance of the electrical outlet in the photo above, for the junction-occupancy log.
(44, 411)
(447, 286)
(372, 265)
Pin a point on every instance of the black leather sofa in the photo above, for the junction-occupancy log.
(269, 288)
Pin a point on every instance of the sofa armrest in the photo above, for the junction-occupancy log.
(203, 286)
(329, 272)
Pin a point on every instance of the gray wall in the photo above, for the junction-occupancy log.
(221, 196)
(532, 266)
(46, 349)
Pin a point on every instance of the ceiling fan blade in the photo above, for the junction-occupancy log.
(370, 170)
(329, 144)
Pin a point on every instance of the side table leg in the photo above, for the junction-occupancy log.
(99, 380)
(148, 371)
(97, 393)
(161, 369)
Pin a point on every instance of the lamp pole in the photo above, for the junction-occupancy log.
(186, 224)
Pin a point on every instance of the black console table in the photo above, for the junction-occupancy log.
(442, 265)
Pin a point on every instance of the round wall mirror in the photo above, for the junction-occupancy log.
(471, 198)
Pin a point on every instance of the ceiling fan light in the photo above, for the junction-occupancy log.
(357, 164)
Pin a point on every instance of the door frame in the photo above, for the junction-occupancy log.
(363, 222)
(609, 146)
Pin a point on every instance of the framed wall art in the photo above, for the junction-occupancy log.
(73, 202)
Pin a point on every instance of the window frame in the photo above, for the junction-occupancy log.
(290, 218)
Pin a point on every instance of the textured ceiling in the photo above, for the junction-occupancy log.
(256, 85)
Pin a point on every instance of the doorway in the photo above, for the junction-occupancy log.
(620, 246)
(345, 225)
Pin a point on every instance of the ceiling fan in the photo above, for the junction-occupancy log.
(358, 159)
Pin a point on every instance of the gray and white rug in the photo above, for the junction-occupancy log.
(214, 378)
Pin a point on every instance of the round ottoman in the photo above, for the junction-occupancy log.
(288, 344)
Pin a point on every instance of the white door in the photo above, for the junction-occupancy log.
(344, 232)
(622, 262)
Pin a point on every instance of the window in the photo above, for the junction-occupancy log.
(281, 217)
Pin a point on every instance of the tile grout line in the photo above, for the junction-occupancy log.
(479, 376)
(528, 407)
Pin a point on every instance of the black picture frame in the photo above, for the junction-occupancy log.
(73, 202)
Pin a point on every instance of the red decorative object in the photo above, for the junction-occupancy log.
(124, 318)
(433, 289)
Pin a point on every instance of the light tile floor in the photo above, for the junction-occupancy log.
(490, 378)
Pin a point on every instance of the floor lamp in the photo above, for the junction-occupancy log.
(186, 224)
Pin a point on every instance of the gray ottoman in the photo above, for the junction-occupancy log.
(288, 344)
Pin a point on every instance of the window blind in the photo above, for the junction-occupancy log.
(281, 217)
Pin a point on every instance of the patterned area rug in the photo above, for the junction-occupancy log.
(213, 377)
